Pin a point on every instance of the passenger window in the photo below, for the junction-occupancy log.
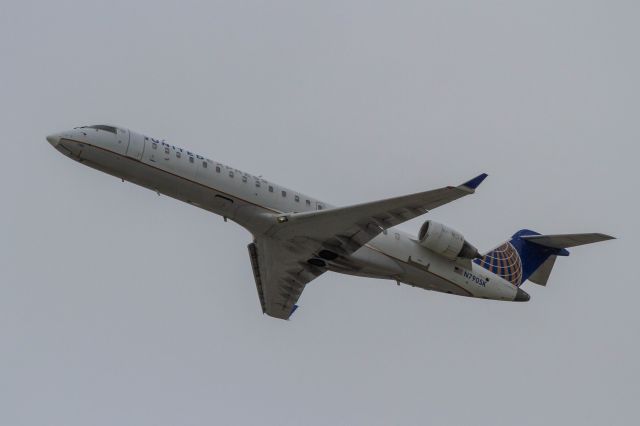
(191, 159)
(166, 149)
(284, 193)
(297, 198)
(218, 169)
(308, 202)
(178, 154)
(244, 179)
(320, 207)
(257, 184)
(204, 164)
(270, 188)
(231, 173)
(154, 145)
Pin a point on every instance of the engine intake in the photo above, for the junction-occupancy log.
(445, 241)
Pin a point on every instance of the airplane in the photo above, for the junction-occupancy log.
(297, 238)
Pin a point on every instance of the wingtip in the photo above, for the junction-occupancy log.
(475, 182)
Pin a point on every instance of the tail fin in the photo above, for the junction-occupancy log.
(529, 255)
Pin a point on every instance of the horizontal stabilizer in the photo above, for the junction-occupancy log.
(566, 240)
(541, 275)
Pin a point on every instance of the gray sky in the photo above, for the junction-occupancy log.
(121, 307)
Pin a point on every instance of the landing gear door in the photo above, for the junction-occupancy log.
(136, 145)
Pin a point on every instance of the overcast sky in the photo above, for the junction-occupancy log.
(119, 307)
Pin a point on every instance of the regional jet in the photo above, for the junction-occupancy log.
(297, 237)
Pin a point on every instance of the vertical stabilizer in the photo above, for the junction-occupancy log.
(531, 256)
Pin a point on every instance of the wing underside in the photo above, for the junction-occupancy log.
(280, 276)
(281, 257)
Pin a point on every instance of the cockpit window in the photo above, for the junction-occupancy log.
(110, 129)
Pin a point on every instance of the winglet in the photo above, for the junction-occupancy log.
(475, 182)
(293, 309)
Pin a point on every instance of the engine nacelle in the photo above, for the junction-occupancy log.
(445, 241)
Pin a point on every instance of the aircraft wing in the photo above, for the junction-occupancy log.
(280, 274)
(280, 256)
(353, 226)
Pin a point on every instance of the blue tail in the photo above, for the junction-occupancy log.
(517, 259)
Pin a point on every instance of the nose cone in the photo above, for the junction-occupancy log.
(54, 139)
(522, 296)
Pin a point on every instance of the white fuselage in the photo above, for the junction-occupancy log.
(250, 200)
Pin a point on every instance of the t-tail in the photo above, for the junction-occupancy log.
(531, 256)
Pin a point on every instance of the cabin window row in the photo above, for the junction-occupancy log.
(231, 173)
(179, 151)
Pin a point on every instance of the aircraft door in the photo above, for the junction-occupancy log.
(136, 145)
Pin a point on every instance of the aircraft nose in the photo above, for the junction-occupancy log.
(54, 139)
(522, 296)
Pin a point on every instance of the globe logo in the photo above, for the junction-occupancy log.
(505, 262)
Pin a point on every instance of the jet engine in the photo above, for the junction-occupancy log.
(445, 241)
